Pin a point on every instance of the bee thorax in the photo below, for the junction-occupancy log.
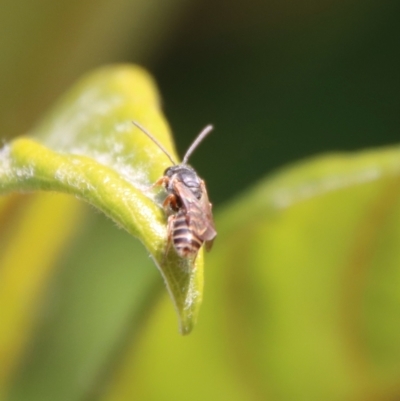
(187, 176)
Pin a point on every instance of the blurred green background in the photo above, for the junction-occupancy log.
(280, 80)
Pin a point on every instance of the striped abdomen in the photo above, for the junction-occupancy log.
(184, 238)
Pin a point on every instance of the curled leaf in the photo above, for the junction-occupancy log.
(88, 147)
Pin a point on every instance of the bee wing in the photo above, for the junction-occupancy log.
(209, 233)
(198, 213)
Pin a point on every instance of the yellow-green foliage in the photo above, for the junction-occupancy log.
(302, 297)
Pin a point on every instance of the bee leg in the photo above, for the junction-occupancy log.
(170, 202)
(160, 181)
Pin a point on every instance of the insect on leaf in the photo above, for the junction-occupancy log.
(87, 146)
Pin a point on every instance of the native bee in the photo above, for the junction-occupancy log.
(190, 220)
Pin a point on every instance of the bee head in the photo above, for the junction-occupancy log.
(182, 172)
(185, 174)
(183, 166)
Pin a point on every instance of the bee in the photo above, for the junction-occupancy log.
(190, 220)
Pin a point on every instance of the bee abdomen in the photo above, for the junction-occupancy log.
(186, 242)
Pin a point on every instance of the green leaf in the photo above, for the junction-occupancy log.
(87, 146)
(302, 299)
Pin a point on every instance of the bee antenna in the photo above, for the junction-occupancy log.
(154, 140)
(196, 142)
